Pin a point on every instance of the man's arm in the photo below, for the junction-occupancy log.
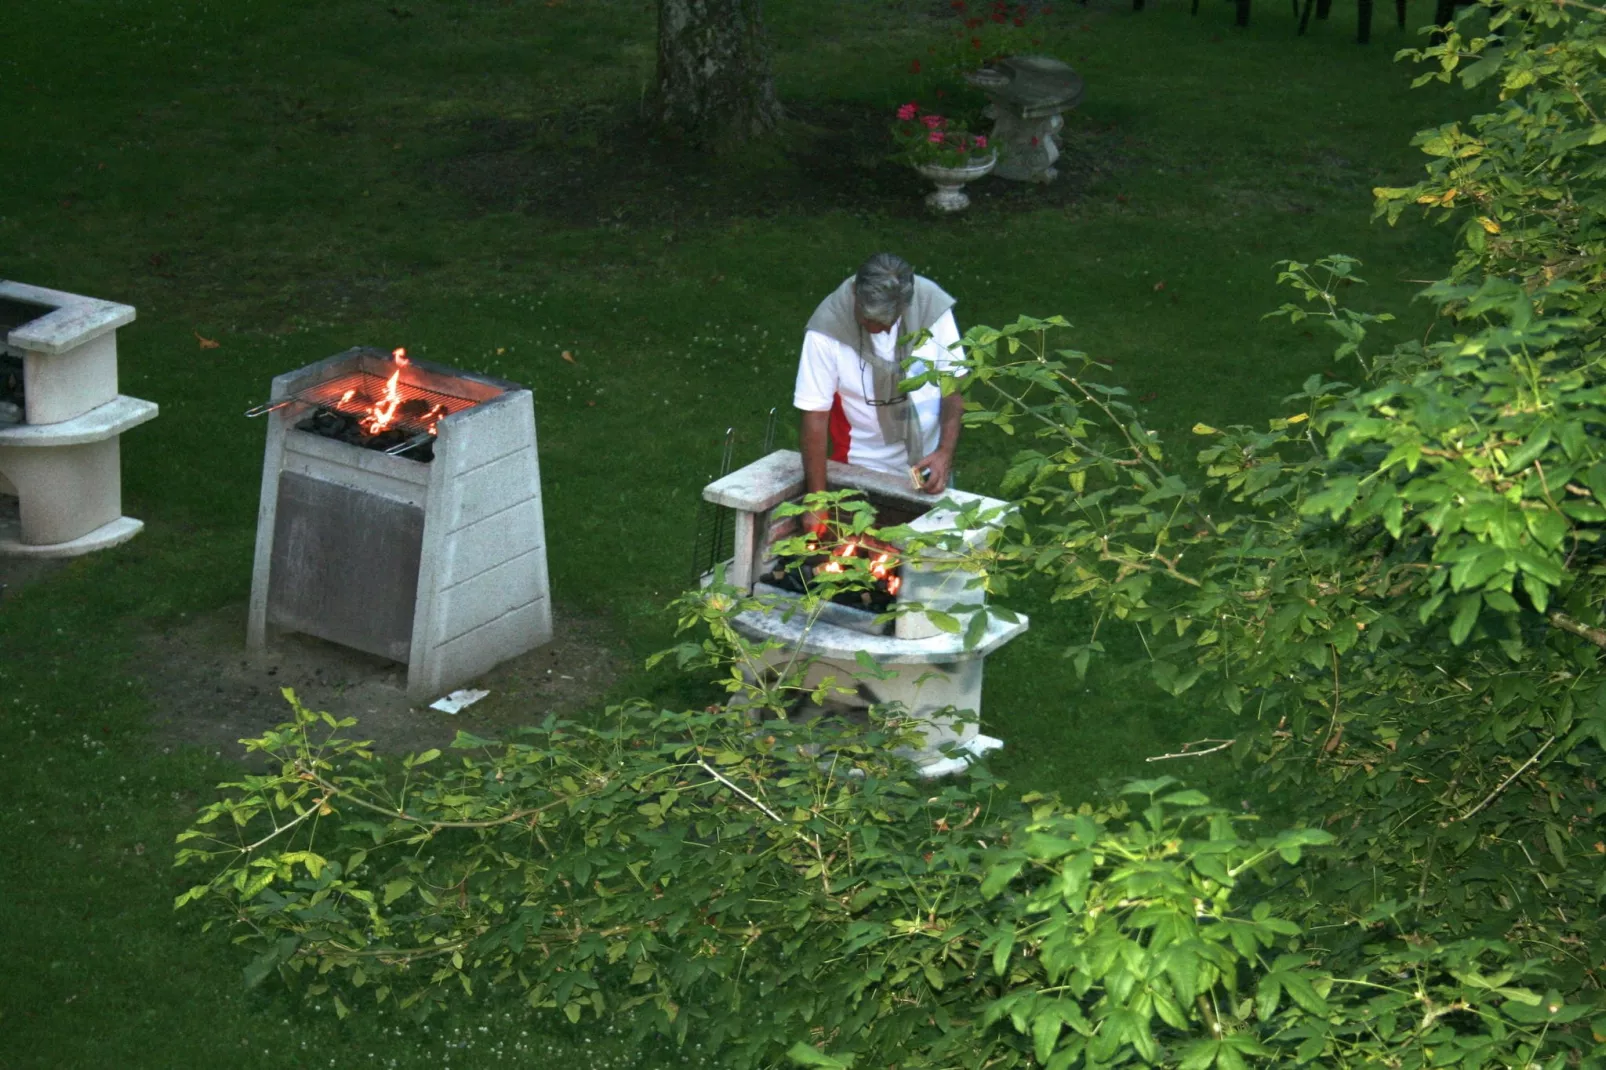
(941, 461)
(813, 438)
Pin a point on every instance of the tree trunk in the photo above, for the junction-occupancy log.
(714, 81)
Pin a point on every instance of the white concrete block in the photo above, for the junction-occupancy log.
(470, 551)
(96, 425)
(476, 494)
(104, 537)
(62, 386)
(67, 492)
(469, 655)
(73, 320)
(490, 594)
(486, 432)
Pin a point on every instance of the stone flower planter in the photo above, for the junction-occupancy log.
(950, 182)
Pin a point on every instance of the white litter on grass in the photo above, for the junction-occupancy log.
(457, 700)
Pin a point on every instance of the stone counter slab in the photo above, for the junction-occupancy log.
(66, 321)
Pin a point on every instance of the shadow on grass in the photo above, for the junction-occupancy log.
(596, 166)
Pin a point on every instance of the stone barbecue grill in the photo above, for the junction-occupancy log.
(932, 676)
(429, 551)
(61, 421)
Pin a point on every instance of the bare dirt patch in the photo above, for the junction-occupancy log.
(206, 691)
(609, 168)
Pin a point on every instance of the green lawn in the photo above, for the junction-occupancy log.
(472, 179)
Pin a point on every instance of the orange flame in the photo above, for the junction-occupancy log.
(383, 414)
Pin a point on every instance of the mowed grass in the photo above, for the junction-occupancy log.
(294, 178)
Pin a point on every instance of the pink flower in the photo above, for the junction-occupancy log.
(908, 111)
(981, 141)
(933, 122)
(935, 137)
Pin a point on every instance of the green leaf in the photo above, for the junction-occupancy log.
(1045, 1031)
(808, 1055)
(1521, 995)
(1557, 847)
(260, 967)
(1300, 990)
(1267, 995)
(1466, 615)
(999, 875)
(396, 889)
(1334, 498)
(1001, 950)
(976, 631)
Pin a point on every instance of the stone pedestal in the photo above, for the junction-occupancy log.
(926, 670)
(1028, 94)
(59, 449)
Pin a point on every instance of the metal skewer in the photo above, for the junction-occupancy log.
(271, 406)
(417, 440)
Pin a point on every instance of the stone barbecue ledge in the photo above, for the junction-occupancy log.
(827, 640)
(96, 425)
(771, 480)
(66, 322)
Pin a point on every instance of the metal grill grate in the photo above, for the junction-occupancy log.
(355, 393)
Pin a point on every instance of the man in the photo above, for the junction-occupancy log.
(854, 355)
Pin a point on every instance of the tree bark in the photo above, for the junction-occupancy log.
(714, 81)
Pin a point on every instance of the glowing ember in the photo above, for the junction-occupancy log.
(881, 563)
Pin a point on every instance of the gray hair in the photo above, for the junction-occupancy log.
(883, 288)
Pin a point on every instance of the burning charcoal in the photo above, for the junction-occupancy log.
(413, 409)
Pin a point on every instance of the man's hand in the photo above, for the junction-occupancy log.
(940, 462)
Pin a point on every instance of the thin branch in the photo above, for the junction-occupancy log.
(1220, 745)
(717, 775)
(1504, 784)
(1335, 731)
(434, 824)
(1578, 628)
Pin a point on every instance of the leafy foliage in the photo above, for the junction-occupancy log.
(793, 890)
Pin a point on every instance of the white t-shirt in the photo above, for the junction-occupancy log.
(832, 378)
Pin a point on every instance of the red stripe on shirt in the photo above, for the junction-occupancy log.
(841, 430)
